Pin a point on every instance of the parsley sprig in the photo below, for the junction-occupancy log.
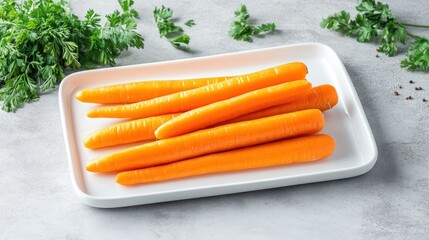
(241, 30)
(375, 20)
(417, 57)
(41, 38)
(168, 30)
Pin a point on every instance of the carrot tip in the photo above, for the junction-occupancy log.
(90, 146)
(121, 178)
(79, 96)
(92, 167)
(88, 143)
(118, 178)
(90, 114)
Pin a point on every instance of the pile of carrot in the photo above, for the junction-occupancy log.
(210, 125)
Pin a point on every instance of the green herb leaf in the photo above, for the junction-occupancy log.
(417, 57)
(40, 38)
(263, 28)
(392, 34)
(168, 30)
(241, 30)
(190, 23)
(340, 22)
(364, 29)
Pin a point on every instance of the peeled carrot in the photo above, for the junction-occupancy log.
(126, 132)
(295, 150)
(140, 91)
(323, 97)
(212, 140)
(211, 114)
(194, 98)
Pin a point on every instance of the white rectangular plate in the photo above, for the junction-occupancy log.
(355, 154)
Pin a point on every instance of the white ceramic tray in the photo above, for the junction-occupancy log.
(355, 154)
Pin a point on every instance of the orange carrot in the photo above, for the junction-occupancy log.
(140, 91)
(212, 140)
(296, 150)
(126, 132)
(211, 114)
(323, 97)
(194, 98)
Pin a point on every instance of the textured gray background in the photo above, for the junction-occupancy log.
(390, 202)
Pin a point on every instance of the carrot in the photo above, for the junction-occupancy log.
(126, 132)
(296, 150)
(140, 91)
(323, 97)
(211, 114)
(212, 140)
(194, 98)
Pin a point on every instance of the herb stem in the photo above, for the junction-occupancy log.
(169, 40)
(415, 25)
(410, 34)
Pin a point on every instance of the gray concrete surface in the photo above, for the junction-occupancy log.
(389, 202)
